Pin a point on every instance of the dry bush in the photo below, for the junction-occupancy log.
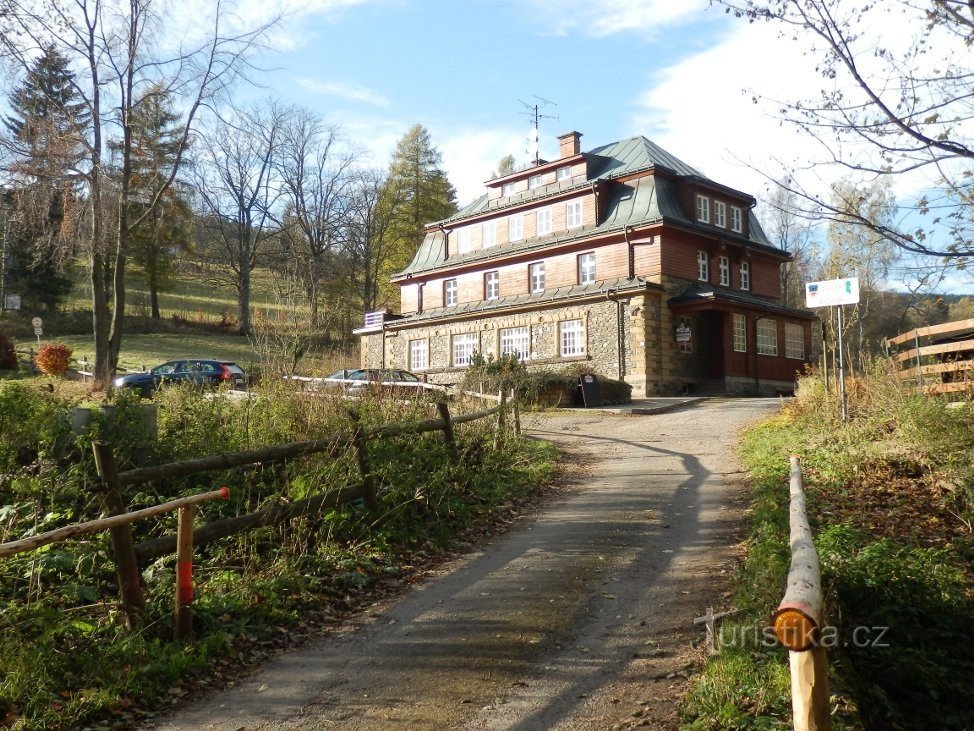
(53, 359)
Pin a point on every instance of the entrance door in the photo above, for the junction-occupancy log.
(713, 342)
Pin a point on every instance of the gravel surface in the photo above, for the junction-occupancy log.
(579, 617)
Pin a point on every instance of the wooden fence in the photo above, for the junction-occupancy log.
(798, 619)
(940, 358)
(130, 556)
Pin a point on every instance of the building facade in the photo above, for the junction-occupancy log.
(623, 258)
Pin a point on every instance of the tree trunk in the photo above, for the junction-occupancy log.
(154, 300)
(243, 300)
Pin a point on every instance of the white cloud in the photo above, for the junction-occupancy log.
(470, 156)
(353, 92)
(611, 16)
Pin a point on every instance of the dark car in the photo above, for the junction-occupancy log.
(199, 371)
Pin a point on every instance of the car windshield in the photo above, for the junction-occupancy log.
(165, 368)
(404, 376)
(356, 375)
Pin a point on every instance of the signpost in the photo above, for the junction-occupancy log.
(835, 293)
(38, 324)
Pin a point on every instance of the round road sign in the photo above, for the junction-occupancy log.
(37, 322)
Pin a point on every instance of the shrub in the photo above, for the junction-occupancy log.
(53, 359)
(8, 356)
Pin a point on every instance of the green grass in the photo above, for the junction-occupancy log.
(153, 349)
(895, 548)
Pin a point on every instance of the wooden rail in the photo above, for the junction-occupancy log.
(129, 557)
(798, 618)
(939, 357)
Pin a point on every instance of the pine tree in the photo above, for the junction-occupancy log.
(421, 191)
(164, 233)
(44, 139)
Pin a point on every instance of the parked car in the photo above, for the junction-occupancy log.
(199, 371)
(355, 382)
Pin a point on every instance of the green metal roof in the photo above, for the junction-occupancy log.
(708, 293)
(641, 201)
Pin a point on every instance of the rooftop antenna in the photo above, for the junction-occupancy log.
(533, 110)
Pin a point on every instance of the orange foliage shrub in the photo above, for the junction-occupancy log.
(53, 359)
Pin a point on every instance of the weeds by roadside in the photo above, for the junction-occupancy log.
(890, 496)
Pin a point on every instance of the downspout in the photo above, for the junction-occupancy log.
(383, 326)
(620, 334)
(595, 194)
(446, 241)
(631, 250)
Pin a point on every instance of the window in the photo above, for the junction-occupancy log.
(767, 337)
(515, 340)
(740, 333)
(563, 173)
(490, 233)
(586, 268)
(720, 214)
(492, 286)
(534, 181)
(537, 277)
(464, 346)
(463, 240)
(544, 221)
(745, 275)
(736, 219)
(573, 214)
(794, 341)
(418, 355)
(449, 292)
(515, 227)
(723, 268)
(703, 209)
(703, 266)
(507, 189)
(571, 337)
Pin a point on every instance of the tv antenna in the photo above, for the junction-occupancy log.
(533, 110)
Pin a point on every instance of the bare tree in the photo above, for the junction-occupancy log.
(238, 189)
(315, 176)
(115, 51)
(889, 106)
(793, 233)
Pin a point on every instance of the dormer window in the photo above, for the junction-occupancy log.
(534, 181)
(736, 219)
(720, 214)
(489, 233)
(703, 209)
(563, 173)
(507, 189)
(463, 240)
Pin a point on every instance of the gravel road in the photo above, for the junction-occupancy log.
(579, 617)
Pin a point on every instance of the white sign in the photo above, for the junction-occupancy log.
(682, 333)
(832, 292)
(37, 322)
(12, 302)
(38, 331)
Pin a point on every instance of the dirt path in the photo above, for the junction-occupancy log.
(579, 617)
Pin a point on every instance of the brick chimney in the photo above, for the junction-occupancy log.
(570, 144)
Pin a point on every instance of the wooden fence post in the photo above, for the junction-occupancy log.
(517, 414)
(183, 609)
(126, 564)
(448, 438)
(499, 436)
(362, 458)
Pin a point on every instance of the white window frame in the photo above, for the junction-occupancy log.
(489, 232)
(492, 285)
(736, 219)
(794, 341)
(515, 227)
(723, 270)
(703, 266)
(745, 275)
(463, 240)
(507, 189)
(573, 214)
(462, 348)
(720, 214)
(571, 338)
(767, 337)
(563, 173)
(536, 277)
(534, 182)
(544, 221)
(740, 333)
(419, 354)
(516, 340)
(586, 267)
(450, 290)
(703, 208)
